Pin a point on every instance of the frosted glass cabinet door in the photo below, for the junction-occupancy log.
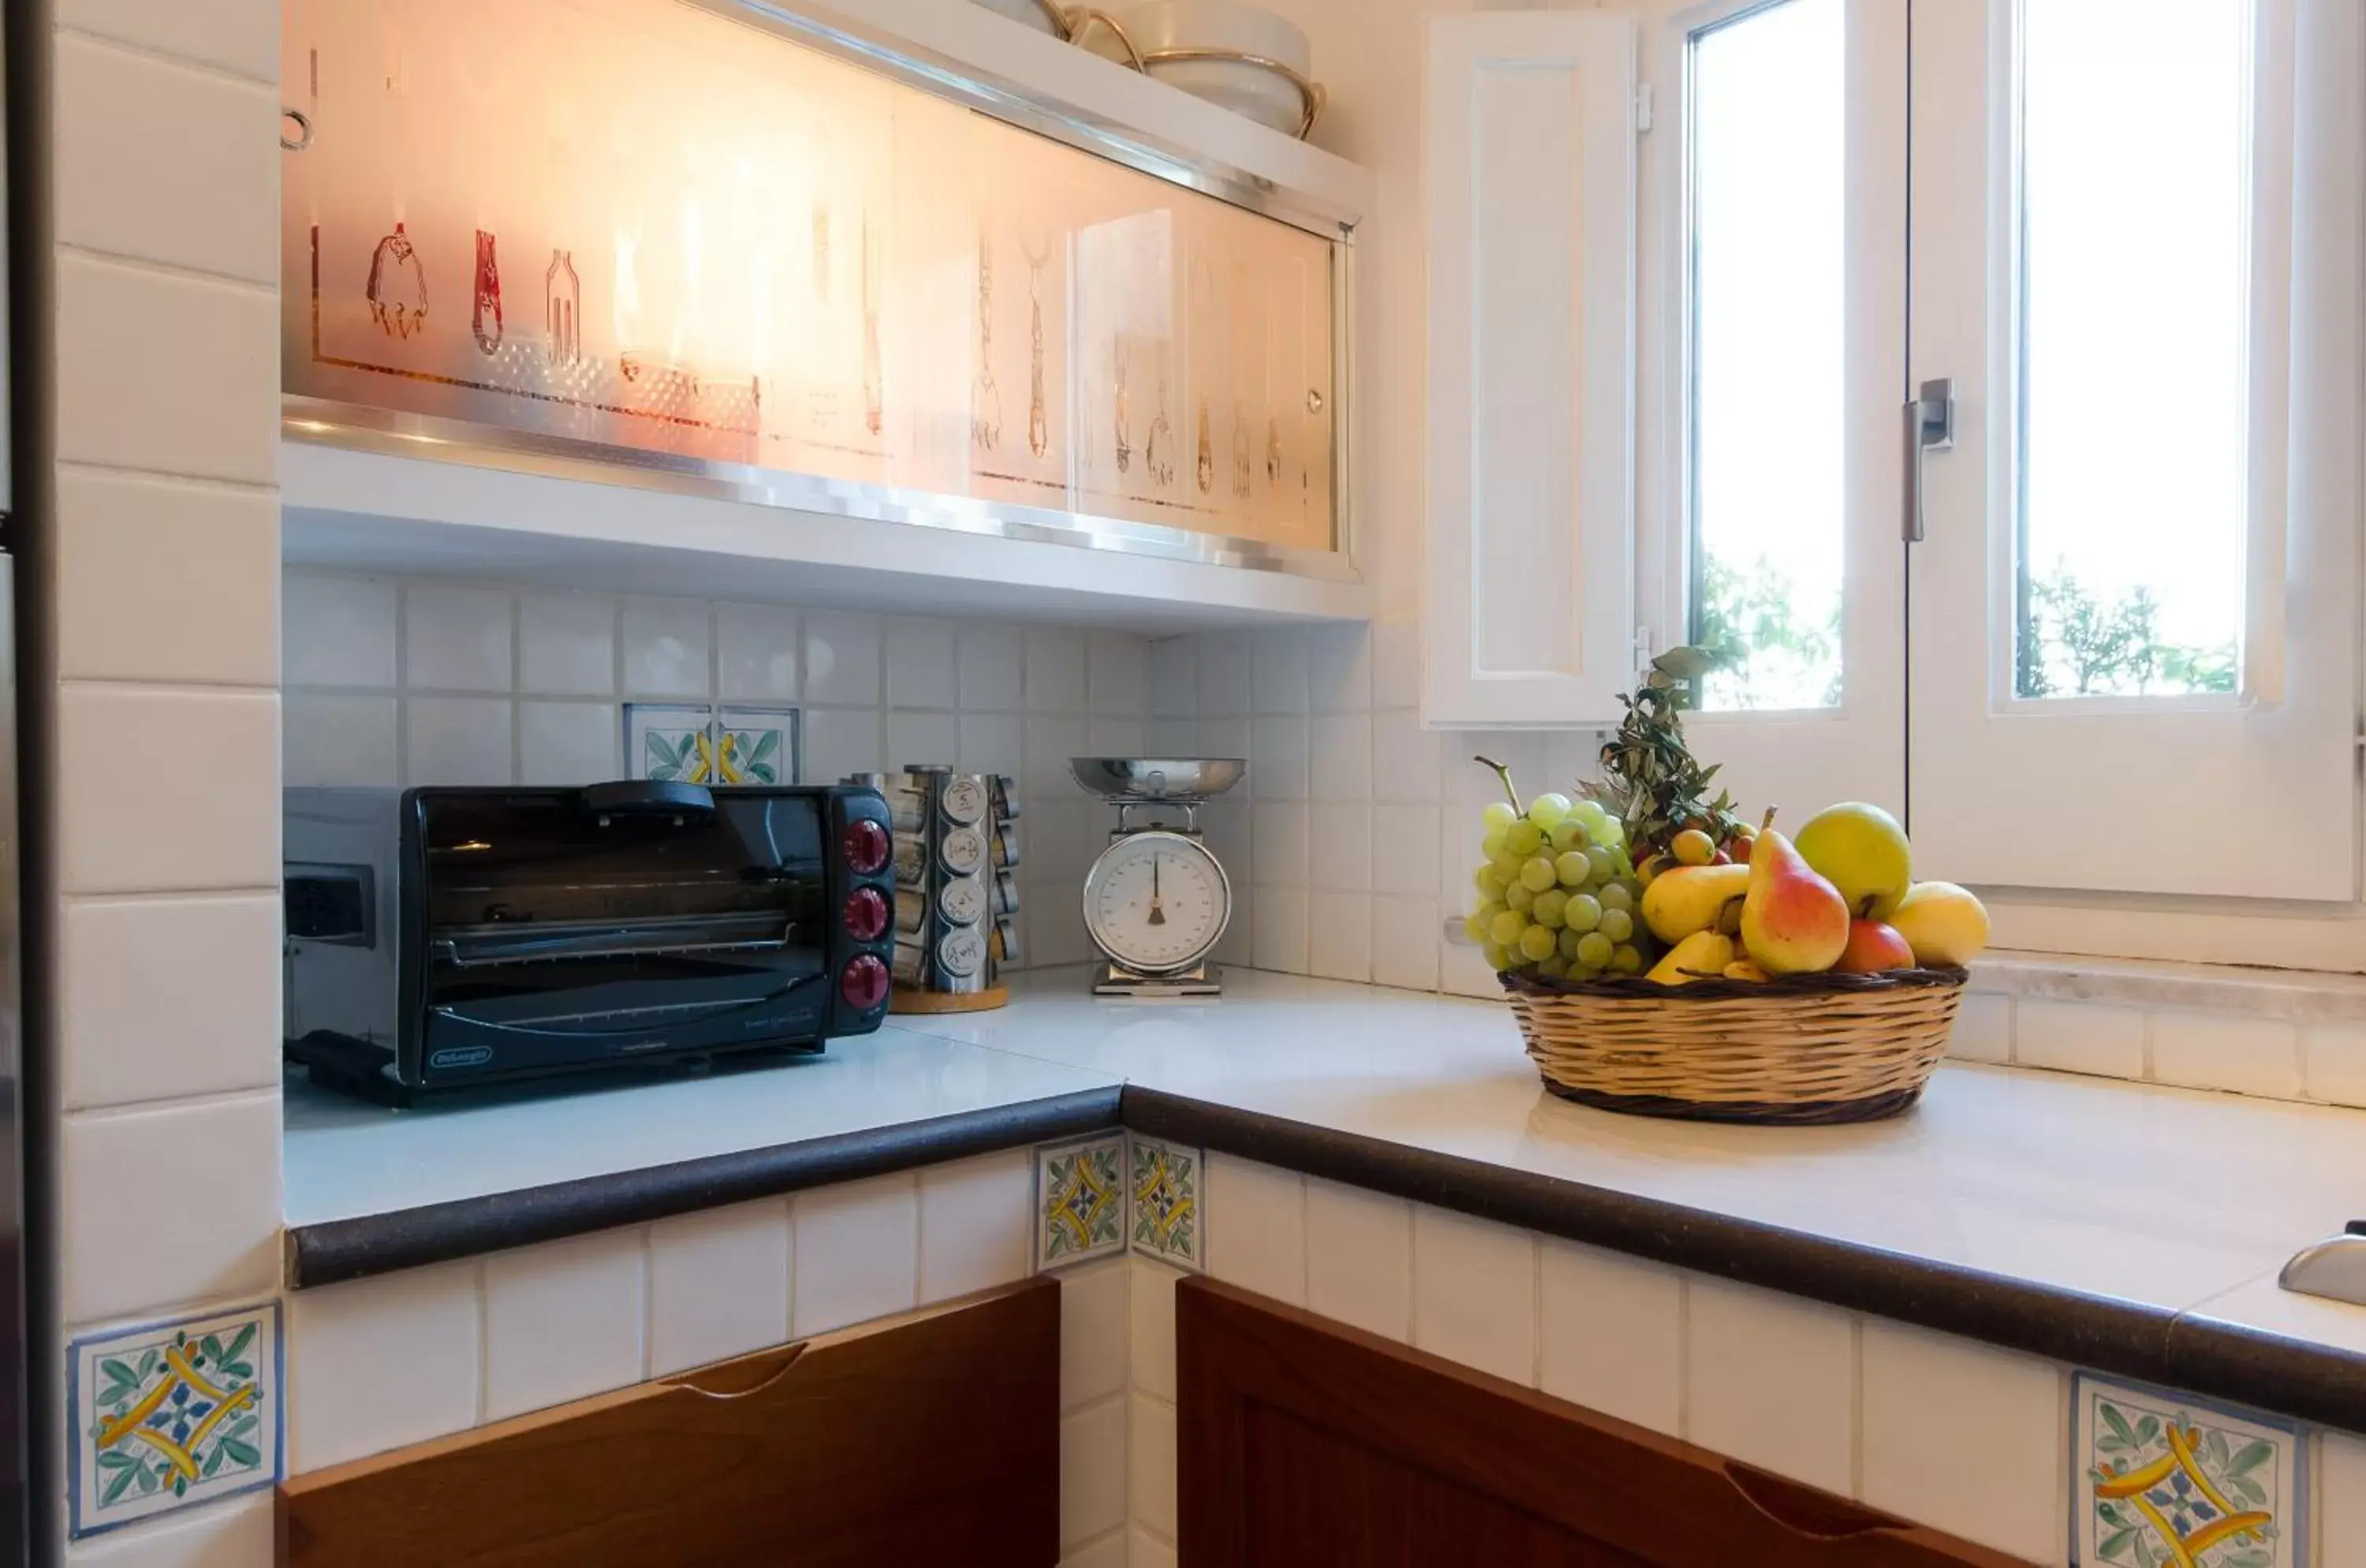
(1528, 120)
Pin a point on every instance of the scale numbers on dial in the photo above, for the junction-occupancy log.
(964, 799)
(963, 850)
(1156, 902)
(963, 901)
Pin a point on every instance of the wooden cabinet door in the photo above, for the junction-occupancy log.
(1308, 1443)
(930, 1438)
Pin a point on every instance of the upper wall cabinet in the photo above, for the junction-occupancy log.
(657, 244)
(1529, 127)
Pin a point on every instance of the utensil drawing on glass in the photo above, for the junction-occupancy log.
(562, 304)
(1125, 435)
(873, 392)
(397, 290)
(1158, 456)
(1039, 424)
(489, 295)
(1202, 330)
(1241, 455)
(985, 397)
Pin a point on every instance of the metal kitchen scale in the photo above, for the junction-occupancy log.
(1156, 902)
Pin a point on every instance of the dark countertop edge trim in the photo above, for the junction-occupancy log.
(2188, 1350)
(334, 1251)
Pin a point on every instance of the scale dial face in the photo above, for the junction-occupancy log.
(1156, 902)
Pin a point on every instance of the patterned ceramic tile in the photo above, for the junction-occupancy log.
(2165, 1480)
(757, 746)
(173, 1414)
(696, 744)
(1079, 1199)
(1163, 1186)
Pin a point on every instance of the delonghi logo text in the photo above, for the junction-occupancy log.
(461, 1056)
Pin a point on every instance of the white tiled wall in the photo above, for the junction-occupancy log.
(433, 681)
(2277, 1058)
(155, 516)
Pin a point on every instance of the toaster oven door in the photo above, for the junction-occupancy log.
(558, 935)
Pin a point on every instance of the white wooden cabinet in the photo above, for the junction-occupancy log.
(1529, 121)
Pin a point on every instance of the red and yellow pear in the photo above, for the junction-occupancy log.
(1792, 920)
(1874, 946)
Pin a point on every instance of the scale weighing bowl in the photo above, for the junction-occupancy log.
(1157, 778)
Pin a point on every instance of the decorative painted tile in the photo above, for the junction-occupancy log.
(756, 746)
(2161, 1479)
(1163, 1187)
(173, 1414)
(669, 740)
(1079, 1199)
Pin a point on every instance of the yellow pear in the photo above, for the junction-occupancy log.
(1701, 953)
(1793, 922)
(1689, 898)
(1743, 969)
(1945, 925)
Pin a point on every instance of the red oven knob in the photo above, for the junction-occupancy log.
(864, 844)
(864, 983)
(866, 913)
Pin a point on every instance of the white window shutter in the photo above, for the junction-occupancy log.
(1528, 614)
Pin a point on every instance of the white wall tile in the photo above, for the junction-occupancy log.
(1991, 1470)
(843, 658)
(1277, 668)
(1106, 737)
(1224, 675)
(217, 827)
(992, 661)
(2334, 1062)
(1092, 1471)
(569, 743)
(567, 645)
(333, 739)
(455, 638)
(456, 740)
(920, 673)
(1983, 1030)
(1339, 669)
(1278, 758)
(1474, 1293)
(718, 1284)
(1049, 743)
(1150, 1463)
(1360, 1258)
(1056, 670)
(1463, 781)
(1339, 936)
(380, 1363)
(241, 36)
(1396, 664)
(167, 164)
(1175, 677)
(1340, 757)
(857, 1253)
(563, 1320)
(1150, 1332)
(1226, 738)
(1280, 846)
(2226, 1050)
(757, 649)
(1404, 759)
(201, 1018)
(1117, 675)
(210, 409)
(1277, 939)
(238, 1532)
(1613, 1334)
(975, 1220)
(838, 742)
(1405, 943)
(667, 646)
(1406, 850)
(1339, 846)
(164, 581)
(1771, 1380)
(1174, 737)
(2340, 1500)
(1256, 1220)
(337, 631)
(2079, 1037)
(115, 1167)
(991, 743)
(921, 738)
(1094, 1313)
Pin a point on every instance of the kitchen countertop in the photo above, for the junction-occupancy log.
(2125, 1226)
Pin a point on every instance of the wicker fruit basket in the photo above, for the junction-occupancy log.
(1796, 1051)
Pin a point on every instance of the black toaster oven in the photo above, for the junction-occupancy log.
(447, 937)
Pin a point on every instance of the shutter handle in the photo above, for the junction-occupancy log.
(1930, 427)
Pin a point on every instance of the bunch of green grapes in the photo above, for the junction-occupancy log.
(1557, 895)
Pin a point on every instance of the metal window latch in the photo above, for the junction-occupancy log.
(1930, 427)
(2335, 1270)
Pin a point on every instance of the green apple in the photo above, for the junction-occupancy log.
(1862, 851)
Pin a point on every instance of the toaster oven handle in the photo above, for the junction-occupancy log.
(648, 797)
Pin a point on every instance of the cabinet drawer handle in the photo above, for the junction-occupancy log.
(689, 1381)
(1803, 1511)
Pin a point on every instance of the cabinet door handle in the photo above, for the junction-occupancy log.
(1930, 427)
(1803, 1511)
